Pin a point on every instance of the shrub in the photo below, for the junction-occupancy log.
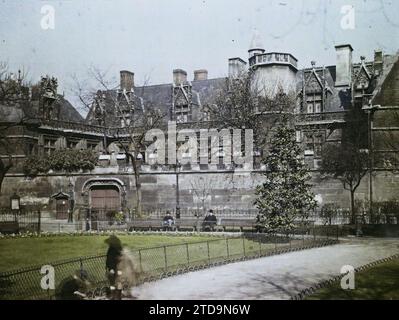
(329, 211)
(67, 160)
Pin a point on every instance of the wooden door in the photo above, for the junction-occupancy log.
(105, 199)
(62, 208)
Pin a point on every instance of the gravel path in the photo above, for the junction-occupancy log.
(275, 277)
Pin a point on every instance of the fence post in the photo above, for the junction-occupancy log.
(39, 218)
(303, 238)
(243, 245)
(227, 247)
(140, 261)
(188, 255)
(275, 241)
(81, 267)
(209, 257)
(260, 245)
(166, 260)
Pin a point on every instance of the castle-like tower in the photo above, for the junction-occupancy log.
(273, 71)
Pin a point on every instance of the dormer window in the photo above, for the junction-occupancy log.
(125, 122)
(182, 113)
(314, 103)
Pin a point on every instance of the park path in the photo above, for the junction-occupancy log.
(275, 277)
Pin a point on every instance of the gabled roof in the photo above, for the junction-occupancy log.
(30, 110)
(360, 70)
(60, 195)
(161, 96)
(67, 112)
(317, 73)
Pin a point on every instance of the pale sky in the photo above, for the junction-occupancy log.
(153, 37)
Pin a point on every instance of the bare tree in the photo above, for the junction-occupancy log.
(387, 143)
(245, 103)
(203, 188)
(132, 141)
(14, 100)
(348, 161)
(136, 118)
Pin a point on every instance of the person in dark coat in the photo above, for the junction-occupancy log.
(168, 221)
(114, 255)
(210, 221)
(73, 287)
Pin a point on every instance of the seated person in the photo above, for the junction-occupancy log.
(168, 220)
(210, 221)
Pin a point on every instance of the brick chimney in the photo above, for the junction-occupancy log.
(127, 80)
(200, 75)
(344, 65)
(378, 62)
(179, 76)
(236, 67)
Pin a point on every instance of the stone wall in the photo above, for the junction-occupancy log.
(208, 189)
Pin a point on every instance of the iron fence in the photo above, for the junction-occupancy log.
(31, 220)
(24, 220)
(201, 212)
(162, 261)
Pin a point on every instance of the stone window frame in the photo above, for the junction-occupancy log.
(314, 100)
(49, 145)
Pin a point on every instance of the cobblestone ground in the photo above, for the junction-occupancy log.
(276, 277)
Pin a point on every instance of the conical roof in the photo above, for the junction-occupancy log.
(256, 42)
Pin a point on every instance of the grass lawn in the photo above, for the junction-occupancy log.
(23, 252)
(378, 283)
(158, 254)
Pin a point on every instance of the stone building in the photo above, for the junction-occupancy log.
(323, 96)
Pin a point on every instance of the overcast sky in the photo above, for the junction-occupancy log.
(152, 37)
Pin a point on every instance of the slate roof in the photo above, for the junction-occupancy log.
(15, 113)
(161, 96)
(68, 112)
(10, 113)
(204, 91)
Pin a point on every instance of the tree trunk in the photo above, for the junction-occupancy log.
(3, 171)
(353, 215)
(2, 175)
(138, 185)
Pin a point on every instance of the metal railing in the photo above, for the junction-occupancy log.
(162, 261)
(201, 212)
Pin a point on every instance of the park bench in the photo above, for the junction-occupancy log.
(187, 224)
(8, 227)
(150, 224)
(145, 224)
(192, 224)
(234, 224)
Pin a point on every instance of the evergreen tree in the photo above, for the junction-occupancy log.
(286, 195)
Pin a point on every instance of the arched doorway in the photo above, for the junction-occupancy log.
(105, 201)
(105, 197)
(62, 205)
